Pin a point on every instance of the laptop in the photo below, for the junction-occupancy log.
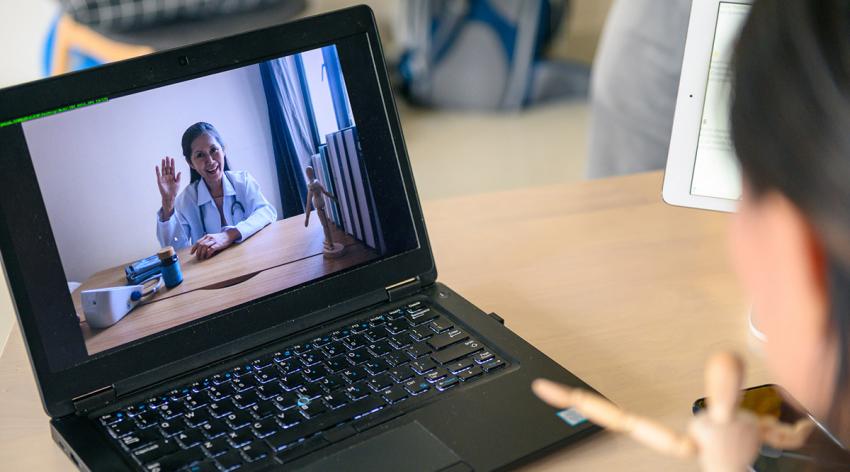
(266, 339)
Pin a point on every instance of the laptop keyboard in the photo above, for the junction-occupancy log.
(284, 405)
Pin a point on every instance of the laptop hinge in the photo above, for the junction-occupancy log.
(94, 400)
(402, 289)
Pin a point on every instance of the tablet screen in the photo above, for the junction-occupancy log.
(716, 173)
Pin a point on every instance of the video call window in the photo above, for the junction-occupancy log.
(252, 179)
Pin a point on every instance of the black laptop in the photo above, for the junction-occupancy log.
(320, 345)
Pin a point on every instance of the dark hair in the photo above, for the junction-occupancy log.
(790, 120)
(189, 136)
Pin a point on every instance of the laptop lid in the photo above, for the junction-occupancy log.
(90, 171)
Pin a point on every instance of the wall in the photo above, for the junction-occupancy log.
(95, 165)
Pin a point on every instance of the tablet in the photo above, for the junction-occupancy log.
(702, 170)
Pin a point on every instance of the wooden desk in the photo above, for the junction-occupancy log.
(627, 292)
(281, 255)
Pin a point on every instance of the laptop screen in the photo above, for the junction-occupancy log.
(716, 172)
(173, 204)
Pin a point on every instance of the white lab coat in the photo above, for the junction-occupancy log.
(195, 214)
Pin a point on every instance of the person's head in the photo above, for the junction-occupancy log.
(790, 119)
(311, 175)
(203, 149)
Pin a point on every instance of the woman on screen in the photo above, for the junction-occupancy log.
(219, 207)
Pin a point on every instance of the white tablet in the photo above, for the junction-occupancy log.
(702, 170)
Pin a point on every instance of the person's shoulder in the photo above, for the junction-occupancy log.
(242, 176)
(187, 196)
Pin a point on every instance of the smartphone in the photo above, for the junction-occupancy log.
(822, 451)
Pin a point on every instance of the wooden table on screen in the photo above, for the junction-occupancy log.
(628, 293)
(279, 256)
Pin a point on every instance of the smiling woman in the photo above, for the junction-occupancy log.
(218, 207)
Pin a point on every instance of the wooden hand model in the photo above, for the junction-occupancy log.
(723, 437)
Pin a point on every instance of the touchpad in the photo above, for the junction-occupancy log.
(410, 447)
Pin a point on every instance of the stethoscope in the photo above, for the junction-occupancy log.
(236, 203)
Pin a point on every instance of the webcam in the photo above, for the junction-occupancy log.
(183, 60)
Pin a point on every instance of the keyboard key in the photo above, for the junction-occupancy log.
(423, 365)
(193, 402)
(441, 324)
(355, 373)
(358, 356)
(338, 363)
(245, 399)
(493, 364)
(140, 438)
(123, 428)
(416, 386)
(214, 428)
(314, 373)
(322, 340)
(244, 383)
(378, 320)
(460, 365)
(230, 460)
(436, 374)
(401, 341)
(376, 366)
(286, 400)
(482, 357)
(421, 333)
(222, 408)
(266, 376)
(447, 383)
(447, 339)
(312, 358)
(170, 428)
(380, 348)
(396, 314)
(240, 437)
(265, 427)
(289, 418)
(457, 351)
(357, 391)
(263, 409)
(334, 349)
(216, 446)
(191, 437)
(176, 460)
(335, 399)
(313, 408)
(359, 327)
(377, 333)
(289, 367)
(469, 374)
(395, 394)
(293, 381)
(154, 451)
(397, 326)
(396, 358)
(419, 317)
(172, 410)
(310, 391)
(418, 350)
(356, 341)
(401, 373)
(332, 382)
(255, 451)
(239, 419)
(197, 417)
(269, 390)
(380, 382)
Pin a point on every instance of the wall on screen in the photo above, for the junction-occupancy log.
(96, 165)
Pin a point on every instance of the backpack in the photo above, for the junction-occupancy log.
(484, 54)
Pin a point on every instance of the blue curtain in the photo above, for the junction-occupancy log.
(342, 109)
(292, 127)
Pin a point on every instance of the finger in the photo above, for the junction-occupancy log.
(553, 393)
(158, 175)
(177, 179)
(194, 248)
(723, 376)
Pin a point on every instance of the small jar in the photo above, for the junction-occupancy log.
(171, 273)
